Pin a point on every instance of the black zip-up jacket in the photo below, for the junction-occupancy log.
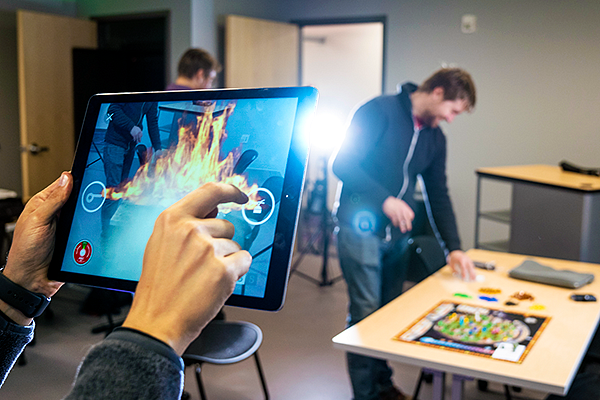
(124, 116)
(370, 165)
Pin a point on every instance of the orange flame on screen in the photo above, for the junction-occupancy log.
(193, 162)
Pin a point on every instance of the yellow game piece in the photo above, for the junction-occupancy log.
(487, 290)
(537, 307)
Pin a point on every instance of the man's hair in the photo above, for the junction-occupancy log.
(457, 84)
(197, 59)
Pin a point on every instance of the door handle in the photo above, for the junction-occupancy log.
(34, 149)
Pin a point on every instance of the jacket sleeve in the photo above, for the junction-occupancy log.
(436, 187)
(367, 127)
(13, 339)
(152, 120)
(121, 120)
(129, 365)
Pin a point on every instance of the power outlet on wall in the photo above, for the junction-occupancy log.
(468, 23)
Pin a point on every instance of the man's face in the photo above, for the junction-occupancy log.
(439, 110)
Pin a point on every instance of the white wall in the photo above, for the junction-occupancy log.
(345, 62)
(203, 26)
(356, 51)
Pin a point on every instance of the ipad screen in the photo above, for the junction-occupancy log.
(146, 155)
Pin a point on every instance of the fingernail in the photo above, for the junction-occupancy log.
(63, 180)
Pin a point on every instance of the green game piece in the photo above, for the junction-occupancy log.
(463, 295)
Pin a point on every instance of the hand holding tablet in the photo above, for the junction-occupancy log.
(253, 139)
(190, 268)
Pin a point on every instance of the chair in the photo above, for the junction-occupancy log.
(225, 342)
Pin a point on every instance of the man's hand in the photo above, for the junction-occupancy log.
(190, 268)
(462, 265)
(399, 213)
(136, 134)
(33, 243)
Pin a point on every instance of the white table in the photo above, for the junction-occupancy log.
(549, 367)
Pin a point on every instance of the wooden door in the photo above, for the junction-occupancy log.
(260, 53)
(45, 43)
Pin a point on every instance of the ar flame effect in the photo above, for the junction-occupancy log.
(192, 163)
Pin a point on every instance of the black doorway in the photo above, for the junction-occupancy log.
(131, 57)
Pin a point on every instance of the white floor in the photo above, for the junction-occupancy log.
(298, 358)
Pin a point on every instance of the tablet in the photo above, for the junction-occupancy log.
(138, 153)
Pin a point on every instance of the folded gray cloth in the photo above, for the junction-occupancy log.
(530, 270)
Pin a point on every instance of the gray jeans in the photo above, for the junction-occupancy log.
(374, 271)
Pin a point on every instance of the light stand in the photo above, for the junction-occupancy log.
(319, 195)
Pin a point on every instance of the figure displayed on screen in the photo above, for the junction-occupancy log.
(124, 132)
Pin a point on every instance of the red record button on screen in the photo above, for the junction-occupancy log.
(82, 252)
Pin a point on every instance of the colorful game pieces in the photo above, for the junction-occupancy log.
(523, 296)
(463, 295)
(537, 307)
(487, 290)
(488, 298)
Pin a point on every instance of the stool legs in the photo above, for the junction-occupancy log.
(261, 375)
(199, 380)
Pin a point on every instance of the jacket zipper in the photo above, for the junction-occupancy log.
(406, 178)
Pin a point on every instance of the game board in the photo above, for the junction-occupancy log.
(477, 330)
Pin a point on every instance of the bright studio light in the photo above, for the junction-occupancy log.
(327, 132)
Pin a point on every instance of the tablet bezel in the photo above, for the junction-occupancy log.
(290, 203)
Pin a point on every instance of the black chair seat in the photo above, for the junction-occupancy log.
(225, 342)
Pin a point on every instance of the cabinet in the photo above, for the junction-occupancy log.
(553, 213)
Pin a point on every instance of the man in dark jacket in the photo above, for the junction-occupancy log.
(124, 133)
(392, 141)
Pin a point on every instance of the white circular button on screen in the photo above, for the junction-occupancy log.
(263, 210)
(90, 197)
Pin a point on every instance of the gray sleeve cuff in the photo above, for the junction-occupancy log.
(13, 339)
(144, 340)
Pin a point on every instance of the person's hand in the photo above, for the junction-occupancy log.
(399, 213)
(190, 268)
(33, 243)
(462, 265)
(136, 134)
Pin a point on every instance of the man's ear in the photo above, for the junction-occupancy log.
(438, 92)
(200, 76)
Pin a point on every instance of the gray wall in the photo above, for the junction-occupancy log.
(203, 26)
(63, 7)
(535, 64)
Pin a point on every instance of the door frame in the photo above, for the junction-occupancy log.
(345, 21)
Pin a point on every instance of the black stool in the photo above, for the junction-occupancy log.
(225, 342)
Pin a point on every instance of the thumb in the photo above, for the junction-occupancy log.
(55, 196)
